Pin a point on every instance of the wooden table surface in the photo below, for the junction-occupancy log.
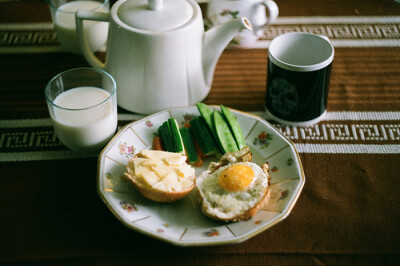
(348, 212)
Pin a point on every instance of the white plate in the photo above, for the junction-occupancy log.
(182, 222)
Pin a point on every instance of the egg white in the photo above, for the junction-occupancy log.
(225, 204)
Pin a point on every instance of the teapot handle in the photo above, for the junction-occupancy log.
(273, 11)
(87, 52)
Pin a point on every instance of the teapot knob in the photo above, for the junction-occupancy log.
(155, 4)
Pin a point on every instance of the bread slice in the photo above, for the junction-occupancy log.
(157, 194)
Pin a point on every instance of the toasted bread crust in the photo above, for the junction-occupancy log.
(158, 195)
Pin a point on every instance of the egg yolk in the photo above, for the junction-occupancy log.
(236, 177)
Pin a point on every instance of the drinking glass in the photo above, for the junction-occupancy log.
(63, 16)
(83, 107)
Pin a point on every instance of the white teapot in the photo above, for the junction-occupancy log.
(158, 52)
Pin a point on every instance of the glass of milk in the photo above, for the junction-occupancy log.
(83, 106)
(63, 16)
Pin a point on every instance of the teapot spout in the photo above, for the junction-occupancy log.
(216, 39)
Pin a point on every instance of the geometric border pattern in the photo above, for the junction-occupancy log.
(339, 132)
(369, 31)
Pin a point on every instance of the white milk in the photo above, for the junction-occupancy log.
(87, 129)
(65, 26)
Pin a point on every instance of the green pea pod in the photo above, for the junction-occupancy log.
(206, 113)
(234, 126)
(224, 134)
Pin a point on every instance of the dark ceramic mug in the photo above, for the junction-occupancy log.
(299, 67)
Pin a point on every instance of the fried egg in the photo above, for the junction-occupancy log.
(234, 191)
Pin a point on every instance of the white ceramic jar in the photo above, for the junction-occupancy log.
(259, 12)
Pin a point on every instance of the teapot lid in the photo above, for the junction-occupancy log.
(155, 15)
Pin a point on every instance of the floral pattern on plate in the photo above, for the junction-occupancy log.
(210, 233)
(128, 206)
(279, 194)
(267, 141)
(114, 179)
(263, 139)
(126, 150)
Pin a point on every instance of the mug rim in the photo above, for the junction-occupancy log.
(57, 8)
(46, 92)
(297, 67)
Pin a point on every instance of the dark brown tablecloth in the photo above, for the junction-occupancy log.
(348, 212)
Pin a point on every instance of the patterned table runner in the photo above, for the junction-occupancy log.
(339, 132)
(369, 31)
